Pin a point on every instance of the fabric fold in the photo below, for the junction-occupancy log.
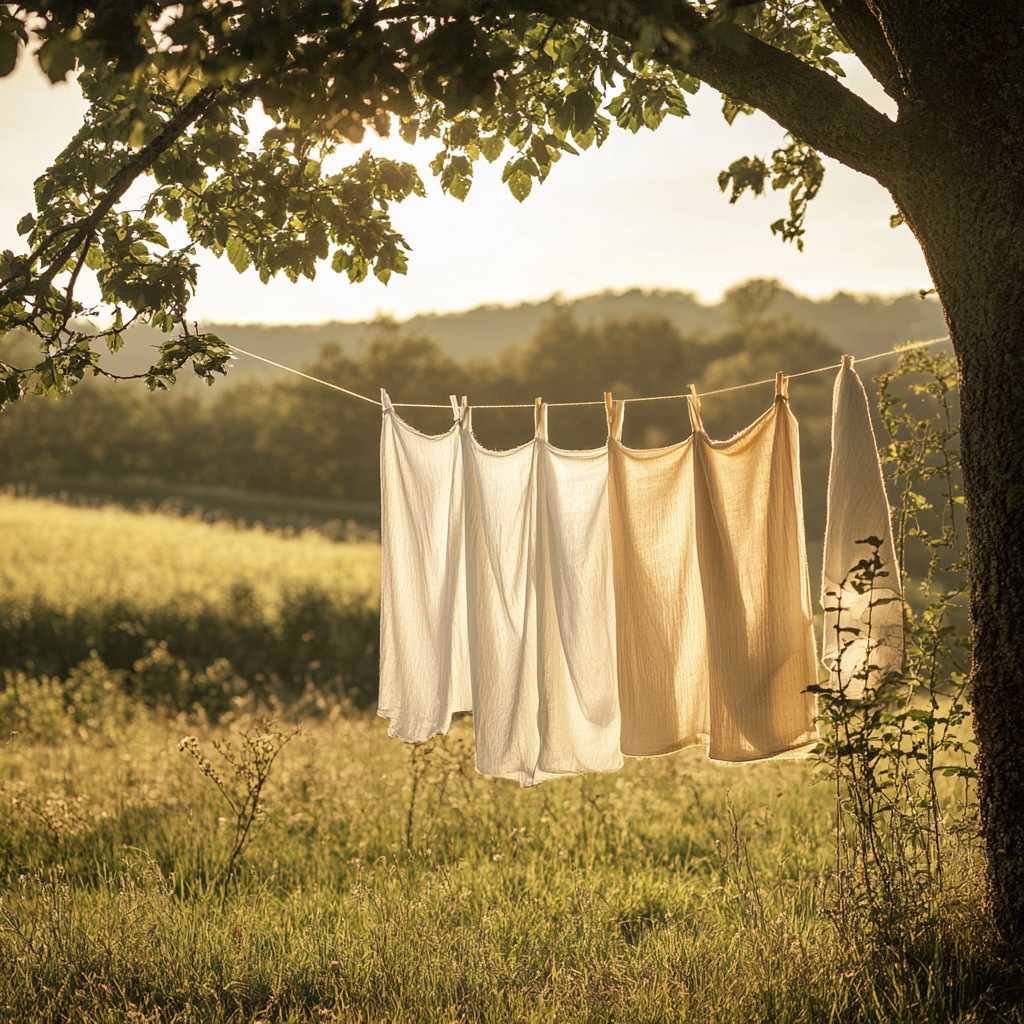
(424, 648)
(860, 589)
(541, 609)
(715, 637)
(590, 604)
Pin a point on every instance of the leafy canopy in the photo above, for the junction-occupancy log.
(169, 88)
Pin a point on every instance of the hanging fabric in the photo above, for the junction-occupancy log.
(424, 649)
(863, 603)
(714, 629)
(541, 609)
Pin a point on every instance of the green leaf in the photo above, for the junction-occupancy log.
(57, 57)
(459, 186)
(492, 147)
(8, 47)
(520, 184)
(585, 139)
(731, 110)
(745, 173)
(688, 84)
(584, 107)
(238, 254)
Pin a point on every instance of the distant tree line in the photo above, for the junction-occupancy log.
(291, 437)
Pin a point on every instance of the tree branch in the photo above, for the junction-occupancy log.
(70, 297)
(119, 184)
(807, 102)
(866, 37)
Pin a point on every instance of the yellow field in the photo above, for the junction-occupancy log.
(72, 557)
(195, 611)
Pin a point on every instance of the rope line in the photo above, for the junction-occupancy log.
(530, 405)
(315, 380)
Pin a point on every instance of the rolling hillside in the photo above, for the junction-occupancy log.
(860, 325)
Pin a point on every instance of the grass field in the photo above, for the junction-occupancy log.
(379, 887)
(284, 611)
(389, 883)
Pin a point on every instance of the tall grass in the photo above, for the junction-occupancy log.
(387, 883)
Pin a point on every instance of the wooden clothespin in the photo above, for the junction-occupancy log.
(696, 422)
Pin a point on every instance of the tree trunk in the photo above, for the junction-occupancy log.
(969, 222)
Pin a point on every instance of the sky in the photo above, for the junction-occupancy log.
(642, 211)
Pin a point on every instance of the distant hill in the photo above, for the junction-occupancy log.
(858, 324)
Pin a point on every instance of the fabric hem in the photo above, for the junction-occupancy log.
(396, 735)
(789, 753)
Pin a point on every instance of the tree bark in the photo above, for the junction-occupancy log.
(962, 193)
(970, 232)
(985, 323)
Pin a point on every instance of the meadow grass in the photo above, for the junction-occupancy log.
(391, 883)
(184, 595)
(386, 882)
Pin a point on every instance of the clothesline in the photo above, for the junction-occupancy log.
(530, 405)
(586, 606)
